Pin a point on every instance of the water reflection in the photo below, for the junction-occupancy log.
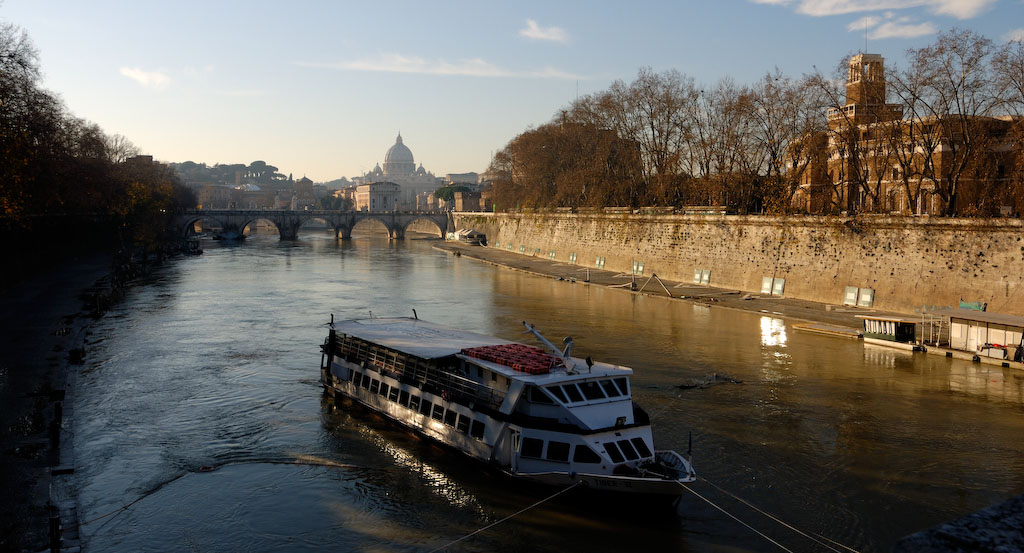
(773, 332)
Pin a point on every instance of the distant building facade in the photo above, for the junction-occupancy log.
(873, 159)
(378, 196)
(399, 168)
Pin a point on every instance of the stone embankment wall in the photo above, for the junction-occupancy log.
(908, 262)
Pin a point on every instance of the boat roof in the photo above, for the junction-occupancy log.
(428, 340)
(984, 317)
(890, 318)
(558, 374)
(423, 339)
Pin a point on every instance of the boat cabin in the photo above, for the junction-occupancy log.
(986, 334)
(889, 330)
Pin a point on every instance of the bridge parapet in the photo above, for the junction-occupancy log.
(289, 223)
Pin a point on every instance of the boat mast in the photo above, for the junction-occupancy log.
(570, 367)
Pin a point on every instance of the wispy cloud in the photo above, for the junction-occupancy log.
(864, 23)
(148, 79)
(472, 67)
(890, 26)
(961, 9)
(536, 32)
(1016, 34)
(898, 29)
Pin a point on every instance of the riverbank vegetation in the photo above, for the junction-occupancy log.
(665, 140)
(65, 185)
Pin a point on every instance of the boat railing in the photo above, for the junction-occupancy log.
(426, 375)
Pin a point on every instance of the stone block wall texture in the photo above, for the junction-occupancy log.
(908, 262)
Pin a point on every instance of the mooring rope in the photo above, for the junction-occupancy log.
(734, 517)
(493, 524)
(816, 537)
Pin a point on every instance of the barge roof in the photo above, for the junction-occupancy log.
(428, 340)
(423, 339)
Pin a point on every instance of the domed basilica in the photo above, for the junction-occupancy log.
(400, 168)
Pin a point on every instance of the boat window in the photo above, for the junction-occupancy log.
(538, 396)
(438, 413)
(613, 452)
(366, 382)
(557, 390)
(641, 447)
(628, 450)
(623, 386)
(584, 454)
(357, 377)
(494, 376)
(532, 447)
(374, 385)
(449, 417)
(403, 398)
(414, 403)
(477, 430)
(393, 394)
(573, 392)
(463, 424)
(592, 390)
(425, 408)
(558, 451)
(480, 373)
(610, 388)
(383, 389)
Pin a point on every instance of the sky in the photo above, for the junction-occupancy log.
(322, 88)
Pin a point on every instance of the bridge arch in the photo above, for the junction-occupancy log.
(372, 221)
(433, 220)
(188, 228)
(247, 221)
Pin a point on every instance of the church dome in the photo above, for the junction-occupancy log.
(398, 159)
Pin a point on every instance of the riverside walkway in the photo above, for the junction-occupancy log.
(823, 318)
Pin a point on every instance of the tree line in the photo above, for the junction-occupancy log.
(665, 140)
(54, 165)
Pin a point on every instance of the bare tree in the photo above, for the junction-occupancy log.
(958, 91)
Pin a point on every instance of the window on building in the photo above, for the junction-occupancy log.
(438, 413)
(463, 424)
(450, 417)
(383, 389)
(403, 398)
(393, 393)
(425, 407)
(374, 386)
(414, 403)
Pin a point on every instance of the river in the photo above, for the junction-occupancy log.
(212, 363)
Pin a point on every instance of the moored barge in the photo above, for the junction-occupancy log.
(544, 417)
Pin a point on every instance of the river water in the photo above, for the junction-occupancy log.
(213, 362)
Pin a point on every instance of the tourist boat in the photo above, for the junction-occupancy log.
(543, 417)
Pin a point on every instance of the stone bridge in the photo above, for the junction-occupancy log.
(288, 223)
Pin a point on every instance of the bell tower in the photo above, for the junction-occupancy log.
(865, 84)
